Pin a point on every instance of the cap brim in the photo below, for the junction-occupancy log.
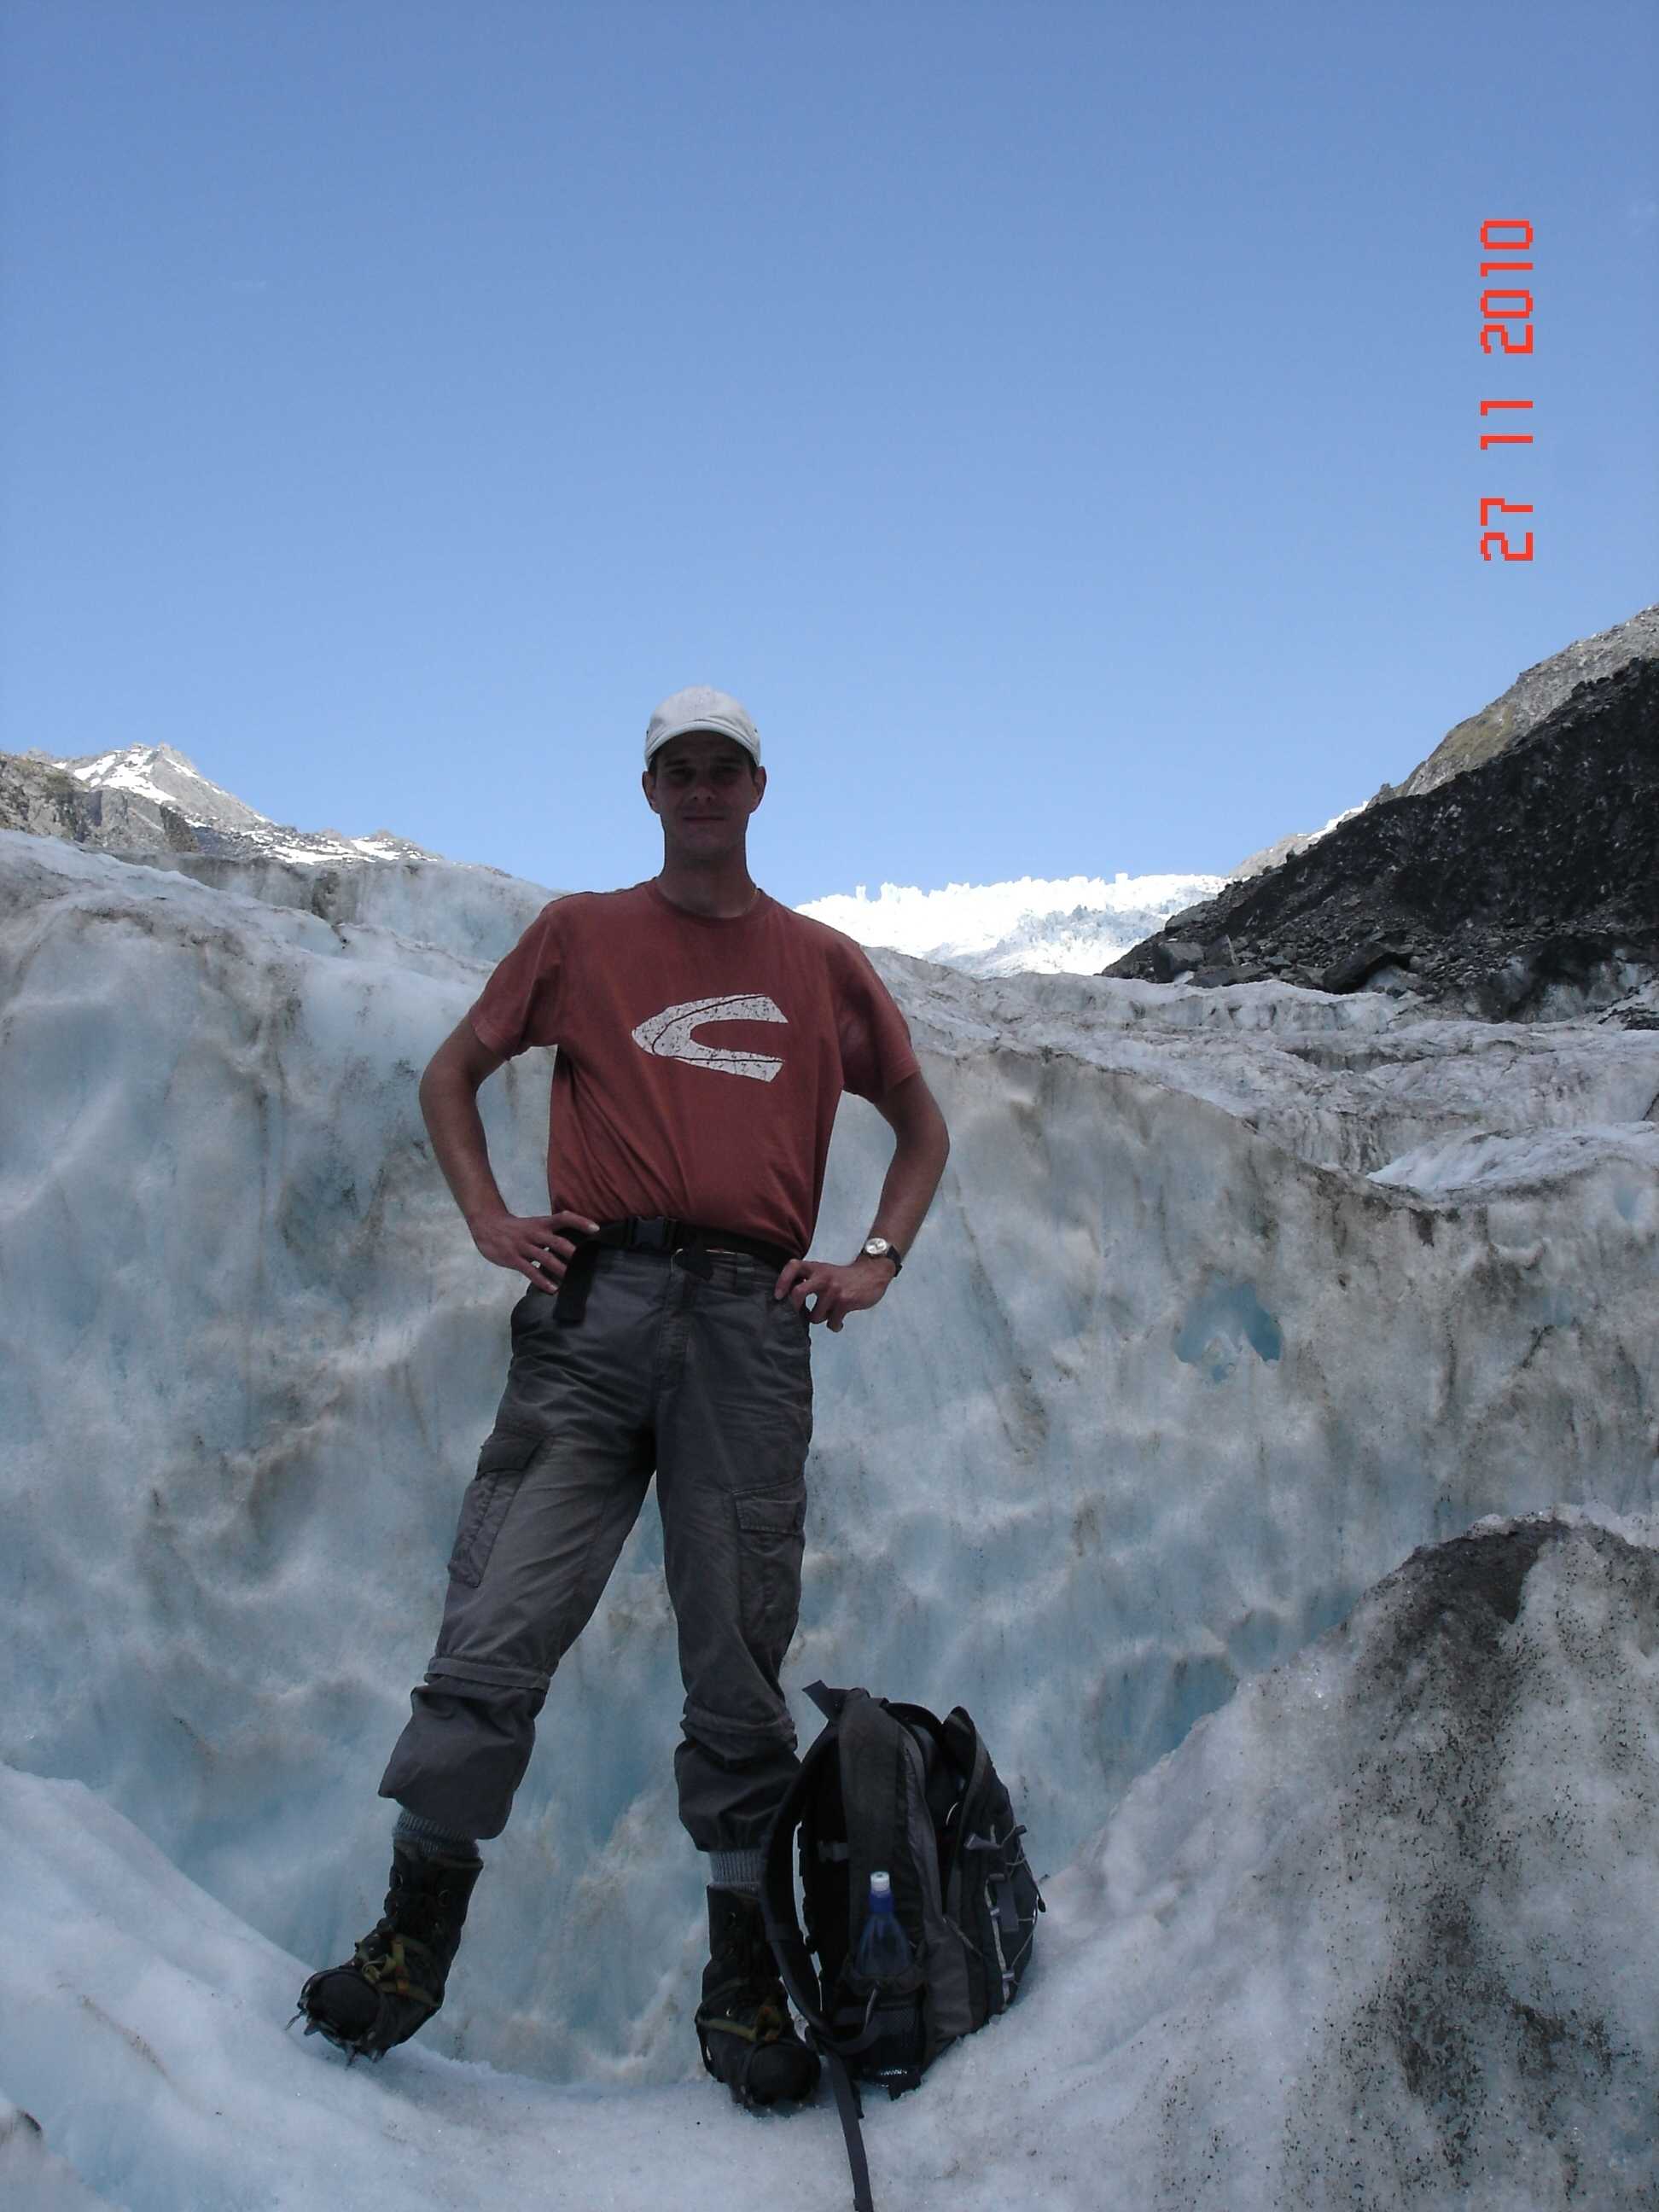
(714, 729)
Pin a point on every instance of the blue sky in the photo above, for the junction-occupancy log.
(1058, 422)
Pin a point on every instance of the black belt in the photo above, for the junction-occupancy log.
(655, 1233)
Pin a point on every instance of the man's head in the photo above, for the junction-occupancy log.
(702, 778)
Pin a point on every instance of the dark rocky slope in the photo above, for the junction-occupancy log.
(1527, 885)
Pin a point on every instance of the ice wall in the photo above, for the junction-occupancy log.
(455, 906)
(1168, 1381)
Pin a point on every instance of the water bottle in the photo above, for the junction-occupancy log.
(884, 1951)
(885, 1956)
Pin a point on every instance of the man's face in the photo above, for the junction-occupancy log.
(703, 787)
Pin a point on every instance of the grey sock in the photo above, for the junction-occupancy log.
(736, 1869)
(425, 1840)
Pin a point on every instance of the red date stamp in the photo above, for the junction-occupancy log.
(1506, 317)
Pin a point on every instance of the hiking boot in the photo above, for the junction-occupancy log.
(747, 2039)
(394, 1981)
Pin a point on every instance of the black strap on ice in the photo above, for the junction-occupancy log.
(847, 2104)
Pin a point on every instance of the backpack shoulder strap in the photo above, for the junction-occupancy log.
(783, 1928)
(788, 1943)
(870, 1744)
(967, 1749)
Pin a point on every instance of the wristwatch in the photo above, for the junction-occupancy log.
(877, 1248)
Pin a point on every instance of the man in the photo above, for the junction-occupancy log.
(705, 1034)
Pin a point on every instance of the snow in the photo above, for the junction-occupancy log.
(1074, 924)
(1484, 1161)
(1230, 1300)
(33, 2178)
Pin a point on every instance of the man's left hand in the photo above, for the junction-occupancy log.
(835, 1292)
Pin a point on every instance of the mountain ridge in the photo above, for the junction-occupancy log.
(1537, 691)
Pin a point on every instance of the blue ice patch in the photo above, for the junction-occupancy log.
(1225, 1317)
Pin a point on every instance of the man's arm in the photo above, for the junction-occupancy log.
(923, 1144)
(535, 1245)
(912, 1113)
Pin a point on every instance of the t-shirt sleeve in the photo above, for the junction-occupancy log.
(876, 1051)
(520, 1004)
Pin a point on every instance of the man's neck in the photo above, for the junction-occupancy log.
(723, 894)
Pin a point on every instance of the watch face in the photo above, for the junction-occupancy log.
(877, 1248)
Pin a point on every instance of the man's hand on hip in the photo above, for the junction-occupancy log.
(537, 1245)
(835, 1292)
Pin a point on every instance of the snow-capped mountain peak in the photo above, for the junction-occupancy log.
(163, 803)
(167, 779)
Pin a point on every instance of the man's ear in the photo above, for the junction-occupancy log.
(648, 786)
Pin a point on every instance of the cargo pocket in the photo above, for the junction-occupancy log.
(502, 1463)
(771, 1541)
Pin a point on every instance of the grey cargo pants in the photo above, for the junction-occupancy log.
(707, 1380)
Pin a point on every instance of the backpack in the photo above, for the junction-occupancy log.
(890, 1786)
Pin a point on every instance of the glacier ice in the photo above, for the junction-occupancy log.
(1364, 1938)
(1223, 1309)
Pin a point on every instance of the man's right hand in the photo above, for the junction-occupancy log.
(537, 1245)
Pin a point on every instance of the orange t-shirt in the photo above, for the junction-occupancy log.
(700, 1060)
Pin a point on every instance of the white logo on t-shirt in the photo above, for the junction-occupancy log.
(669, 1035)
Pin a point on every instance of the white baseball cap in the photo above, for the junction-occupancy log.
(700, 706)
